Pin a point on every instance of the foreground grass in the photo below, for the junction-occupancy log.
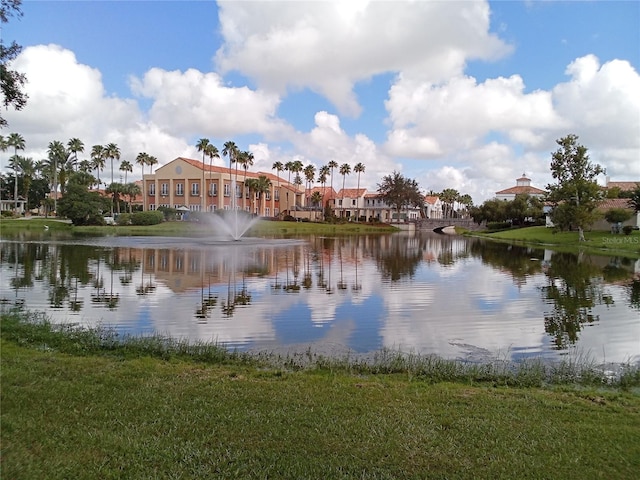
(265, 228)
(600, 242)
(101, 412)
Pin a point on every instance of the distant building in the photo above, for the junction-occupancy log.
(194, 185)
(523, 186)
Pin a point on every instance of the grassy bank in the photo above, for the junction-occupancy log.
(599, 242)
(77, 405)
(264, 228)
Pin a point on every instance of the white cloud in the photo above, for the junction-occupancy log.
(192, 101)
(328, 46)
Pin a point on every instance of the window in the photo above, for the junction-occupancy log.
(164, 189)
(213, 190)
(276, 194)
(195, 189)
(152, 206)
(180, 189)
(353, 202)
(227, 189)
(267, 212)
(152, 188)
(238, 191)
(268, 195)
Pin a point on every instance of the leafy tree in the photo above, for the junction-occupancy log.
(449, 196)
(634, 199)
(202, 146)
(522, 207)
(81, 206)
(400, 192)
(27, 169)
(309, 175)
(492, 210)
(575, 188)
(617, 215)
(316, 199)
(11, 82)
(261, 187)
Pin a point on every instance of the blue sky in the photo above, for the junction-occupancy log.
(465, 95)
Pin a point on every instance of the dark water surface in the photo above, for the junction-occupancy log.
(424, 293)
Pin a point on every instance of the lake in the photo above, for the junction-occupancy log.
(456, 297)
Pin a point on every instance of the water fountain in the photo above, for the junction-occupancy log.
(233, 223)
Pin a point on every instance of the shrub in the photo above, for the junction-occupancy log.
(627, 229)
(498, 226)
(123, 219)
(147, 218)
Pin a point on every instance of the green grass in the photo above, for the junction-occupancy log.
(100, 413)
(10, 227)
(600, 242)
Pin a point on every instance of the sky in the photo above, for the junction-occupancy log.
(454, 94)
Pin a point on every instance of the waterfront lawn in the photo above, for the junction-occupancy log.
(601, 242)
(266, 228)
(106, 414)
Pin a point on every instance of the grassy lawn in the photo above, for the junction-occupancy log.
(601, 242)
(70, 410)
(265, 228)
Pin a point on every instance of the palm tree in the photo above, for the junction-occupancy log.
(98, 160)
(85, 166)
(142, 160)
(345, 169)
(231, 150)
(202, 146)
(57, 155)
(278, 167)
(246, 160)
(261, 187)
(16, 141)
(112, 152)
(332, 164)
(322, 178)
(131, 190)
(126, 167)
(151, 161)
(309, 175)
(212, 152)
(316, 200)
(296, 167)
(358, 168)
(75, 145)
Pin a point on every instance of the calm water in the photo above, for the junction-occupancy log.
(425, 293)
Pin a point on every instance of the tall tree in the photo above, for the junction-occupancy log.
(323, 173)
(245, 159)
(11, 81)
(230, 150)
(449, 196)
(57, 154)
(16, 141)
(27, 169)
(262, 186)
(142, 160)
(309, 175)
(126, 167)
(278, 167)
(202, 146)
(74, 146)
(332, 164)
(634, 199)
(296, 167)
(358, 168)
(212, 152)
(576, 192)
(345, 169)
(400, 192)
(98, 160)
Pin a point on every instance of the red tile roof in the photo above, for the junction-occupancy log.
(624, 186)
(520, 190)
(609, 203)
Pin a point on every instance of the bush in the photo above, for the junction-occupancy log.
(627, 229)
(123, 219)
(493, 226)
(147, 218)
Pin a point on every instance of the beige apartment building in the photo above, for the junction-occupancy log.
(190, 184)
